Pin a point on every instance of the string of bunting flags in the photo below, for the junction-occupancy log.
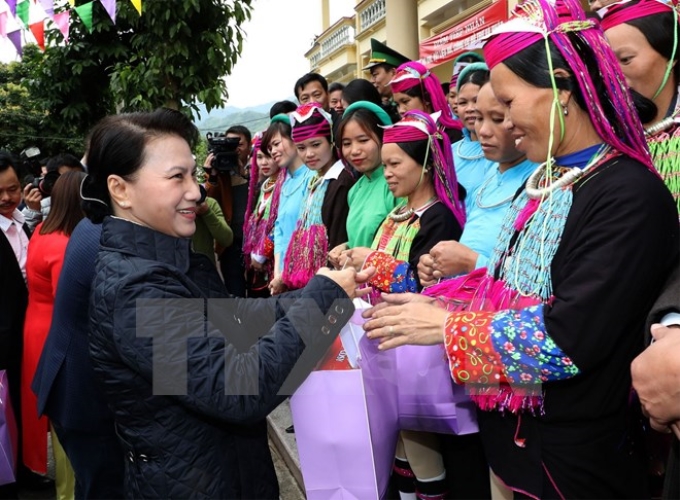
(21, 16)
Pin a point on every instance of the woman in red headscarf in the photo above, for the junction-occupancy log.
(261, 211)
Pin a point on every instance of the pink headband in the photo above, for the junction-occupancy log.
(417, 126)
(395, 134)
(301, 131)
(413, 73)
(620, 13)
(505, 45)
(407, 76)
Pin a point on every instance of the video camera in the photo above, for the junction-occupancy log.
(223, 148)
(30, 160)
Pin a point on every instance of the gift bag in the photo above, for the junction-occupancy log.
(428, 399)
(346, 435)
(8, 434)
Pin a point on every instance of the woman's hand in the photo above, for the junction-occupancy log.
(276, 286)
(349, 280)
(354, 257)
(426, 270)
(450, 258)
(335, 254)
(414, 322)
(202, 208)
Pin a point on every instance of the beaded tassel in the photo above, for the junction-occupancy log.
(665, 150)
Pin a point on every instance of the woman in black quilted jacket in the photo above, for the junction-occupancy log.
(190, 380)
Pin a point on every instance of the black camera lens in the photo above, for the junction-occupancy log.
(45, 183)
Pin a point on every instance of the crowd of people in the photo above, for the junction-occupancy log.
(523, 215)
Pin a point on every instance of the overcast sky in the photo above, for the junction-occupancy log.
(277, 37)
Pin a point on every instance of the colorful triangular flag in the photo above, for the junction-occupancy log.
(110, 6)
(15, 38)
(3, 23)
(138, 5)
(62, 22)
(48, 7)
(85, 13)
(12, 4)
(38, 30)
(23, 12)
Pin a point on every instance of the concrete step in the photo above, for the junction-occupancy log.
(286, 446)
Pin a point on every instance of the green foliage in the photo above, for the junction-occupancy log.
(24, 120)
(176, 52)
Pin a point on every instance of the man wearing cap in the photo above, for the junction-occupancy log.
(382, 66)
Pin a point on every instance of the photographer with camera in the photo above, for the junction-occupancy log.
(228, 184)
(37, 193)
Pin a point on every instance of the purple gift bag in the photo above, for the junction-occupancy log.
(428, 399)
(346, 435)
(8, 434)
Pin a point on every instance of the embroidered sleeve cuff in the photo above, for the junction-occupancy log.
(506, 346)
(391, 275)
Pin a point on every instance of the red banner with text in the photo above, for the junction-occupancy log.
(450, 43)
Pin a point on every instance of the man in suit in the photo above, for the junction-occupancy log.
(65, 383)
(14, 236)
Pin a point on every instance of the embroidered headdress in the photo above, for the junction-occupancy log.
(413, 73)
(311, 120)
(544, 21)
(417, 126)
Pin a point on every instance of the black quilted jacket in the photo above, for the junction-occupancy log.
(190, 395)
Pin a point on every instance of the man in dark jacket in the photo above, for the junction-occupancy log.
(656, 376)
(65, 382)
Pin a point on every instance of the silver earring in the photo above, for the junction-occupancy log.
(565, 109)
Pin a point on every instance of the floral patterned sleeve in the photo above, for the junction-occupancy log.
(391, 275)
(510, 346)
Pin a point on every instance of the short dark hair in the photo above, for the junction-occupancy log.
(476, 77)
(240, 130)
(446, 87)
(419, 151)
(65, 205)
(306, 80)
(116, 147)
(7, 160)
(361, 90)
(275, 128)
(63, 160)
(335, 86)
(366, 119)
(282, 108)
